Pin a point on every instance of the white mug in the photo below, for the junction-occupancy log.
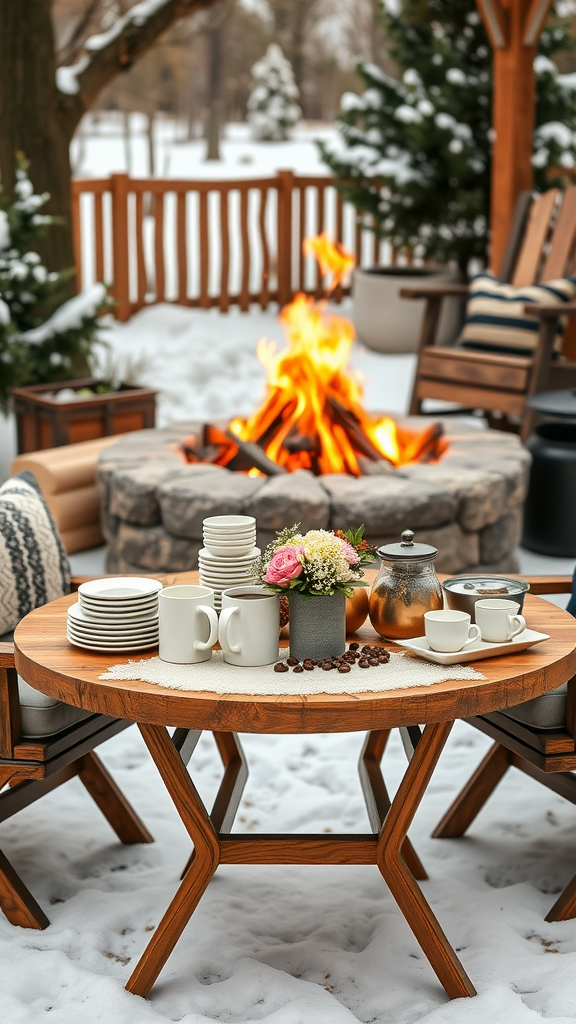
(449, 631)
(249, 626)
(498, 621)
(188, 624)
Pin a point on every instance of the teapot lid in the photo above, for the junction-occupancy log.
(407, 549)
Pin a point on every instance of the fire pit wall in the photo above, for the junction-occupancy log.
(469, 504)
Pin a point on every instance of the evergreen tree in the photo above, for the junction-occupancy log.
(42, 339)
(414, 152)
(272, 107)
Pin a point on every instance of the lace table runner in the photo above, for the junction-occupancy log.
(216, 676)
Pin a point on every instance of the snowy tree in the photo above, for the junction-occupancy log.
(414, 153)
(272, 107)
(42, 338)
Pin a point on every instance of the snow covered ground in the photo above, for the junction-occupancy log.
(99, 149)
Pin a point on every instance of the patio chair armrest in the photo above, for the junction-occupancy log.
(550, 312)
(9, 702)
(7, 655)
(442, 292)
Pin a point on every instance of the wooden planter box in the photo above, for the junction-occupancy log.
(43, 423)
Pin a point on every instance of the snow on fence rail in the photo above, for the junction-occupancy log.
(210, 243)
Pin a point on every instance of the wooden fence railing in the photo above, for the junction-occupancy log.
(210, 243)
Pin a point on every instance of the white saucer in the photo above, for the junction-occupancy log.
(120, 588)
(111, 634)
(78, 615)
(101, 608)
(207, 556)
(95, 641)
(102, 648)
(475, 651)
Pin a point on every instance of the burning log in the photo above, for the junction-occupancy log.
(351, 425)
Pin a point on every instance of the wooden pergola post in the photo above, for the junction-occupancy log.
(514, 28)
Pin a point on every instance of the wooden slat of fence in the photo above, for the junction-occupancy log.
(319, 229)
(121, 274)
(181, 249)
(141, 281)
(204, 250)
(225, 252)
(301, 234)
(245, 285)
(159, 265)
(358, 243)
(339, 231)
(264, 297)
(98, 237)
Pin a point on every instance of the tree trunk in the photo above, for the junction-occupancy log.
(214, 90)
(31, 118)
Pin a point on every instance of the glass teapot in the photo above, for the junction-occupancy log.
(405, 588)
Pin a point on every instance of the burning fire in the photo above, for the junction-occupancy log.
(312, 415)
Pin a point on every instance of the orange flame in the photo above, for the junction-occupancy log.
(312, 415)
(332, 257)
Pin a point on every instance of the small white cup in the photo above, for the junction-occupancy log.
(188, 624)
(249, 626)
(498, 620)
(449, 631)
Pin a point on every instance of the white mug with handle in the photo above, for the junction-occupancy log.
(249, 626)
(188, 624)
(498, 620)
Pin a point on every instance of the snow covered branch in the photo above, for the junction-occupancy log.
(114, 51)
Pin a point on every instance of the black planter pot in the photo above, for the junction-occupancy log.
(550, 508)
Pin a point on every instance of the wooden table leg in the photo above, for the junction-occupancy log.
(376, 795)
(204, 863)
(399, 878)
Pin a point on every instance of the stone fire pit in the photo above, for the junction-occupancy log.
(469, 504)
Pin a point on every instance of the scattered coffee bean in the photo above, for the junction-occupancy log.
(364, 663)
(308, 666)
(327, 665)
(344, 668)
(292, 661)
(374, 662)
(281, 666)
(297, 668)
(314, 661)
(354, 646)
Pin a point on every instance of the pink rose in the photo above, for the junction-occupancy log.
(284, 566)
(350, 554)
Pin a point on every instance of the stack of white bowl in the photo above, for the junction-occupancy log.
(119, 614)
(226, 560)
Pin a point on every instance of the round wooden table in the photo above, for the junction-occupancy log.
(48, 662)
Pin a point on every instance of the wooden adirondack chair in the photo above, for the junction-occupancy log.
(33, 765)
(541, 247)
(538, 738)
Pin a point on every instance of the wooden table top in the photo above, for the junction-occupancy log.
(51, 664)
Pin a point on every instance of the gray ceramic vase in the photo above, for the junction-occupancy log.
(317, 626)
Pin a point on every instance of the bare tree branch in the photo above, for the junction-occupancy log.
(116, 50)
(71, 47)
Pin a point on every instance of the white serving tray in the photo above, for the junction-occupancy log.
(475, 651)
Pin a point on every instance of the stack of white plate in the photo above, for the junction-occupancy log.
(116, 615)
(229, 551)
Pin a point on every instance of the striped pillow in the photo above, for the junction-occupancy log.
(33, 566)
(495, 318)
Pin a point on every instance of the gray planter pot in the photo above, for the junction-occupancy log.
(317, 626)
(386, 323)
